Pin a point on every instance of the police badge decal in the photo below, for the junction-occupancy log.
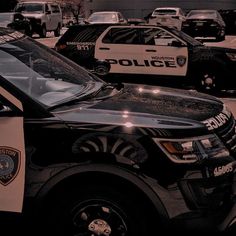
(181, 60)
(9, 164)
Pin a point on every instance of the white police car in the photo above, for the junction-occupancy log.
(85, 157)
(151, 51)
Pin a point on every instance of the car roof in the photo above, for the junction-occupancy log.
(167, 8)
(43, 2)
(105, 12)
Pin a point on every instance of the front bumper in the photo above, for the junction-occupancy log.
(200, 203)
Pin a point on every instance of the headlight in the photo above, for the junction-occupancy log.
(231, 56)
(192, 149)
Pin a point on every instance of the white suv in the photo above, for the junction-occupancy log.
(168, 16)
(44, 16)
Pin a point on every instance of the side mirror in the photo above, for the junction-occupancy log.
(48, 12)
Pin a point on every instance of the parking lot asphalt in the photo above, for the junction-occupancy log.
(229, 97)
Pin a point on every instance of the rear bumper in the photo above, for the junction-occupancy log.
(196, 31)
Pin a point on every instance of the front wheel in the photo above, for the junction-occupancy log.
(101, 68)
(97, 210)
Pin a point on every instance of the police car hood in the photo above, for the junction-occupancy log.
(145, 106)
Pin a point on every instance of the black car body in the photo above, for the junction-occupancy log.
(179, 58)
(104, 158)
(15, 21)
(205, 23)
(229, 17)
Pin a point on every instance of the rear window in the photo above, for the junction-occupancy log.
(164, 12)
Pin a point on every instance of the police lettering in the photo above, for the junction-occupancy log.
(145, 63)
(216, 122)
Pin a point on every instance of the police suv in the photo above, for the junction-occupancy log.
(168, 54)
(85, 157)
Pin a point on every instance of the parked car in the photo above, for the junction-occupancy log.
(43, 16)
(106, 17)
(15, 21)
(205, 23)
(168, 16)
(68, 20)
(229, 17)
(88, 157)
(136, 21)
(159, 53)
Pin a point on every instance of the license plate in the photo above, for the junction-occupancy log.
(199, 24)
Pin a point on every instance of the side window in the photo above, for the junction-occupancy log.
(122, 36)
(46, 8)
(159, 37)
(148, 35)
(55, 9)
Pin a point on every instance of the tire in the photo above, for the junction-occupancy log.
(208, 81)
(43, 33)
(101, 69)
(97, 210)
(220, 38)
(57, 31)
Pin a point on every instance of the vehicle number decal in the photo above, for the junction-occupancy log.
(82, 46)
(220, 170)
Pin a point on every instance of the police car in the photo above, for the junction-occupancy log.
(85, 157)
(167, 54)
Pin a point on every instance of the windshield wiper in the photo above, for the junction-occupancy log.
(83, 96)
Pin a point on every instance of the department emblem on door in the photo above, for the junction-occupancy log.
(9, 164)
(181, 60)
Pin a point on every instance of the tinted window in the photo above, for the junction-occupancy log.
(156, 36)
(122, 36)
(82, 33)
(164, 12)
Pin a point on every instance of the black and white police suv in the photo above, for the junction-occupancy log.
(150, 51)
(85, 157)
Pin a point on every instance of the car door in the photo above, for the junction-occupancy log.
(12, 153)
(121, 47)
(163, 52)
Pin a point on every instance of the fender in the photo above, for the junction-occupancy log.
(132, 178)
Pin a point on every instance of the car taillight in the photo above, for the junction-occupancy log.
(59, 47)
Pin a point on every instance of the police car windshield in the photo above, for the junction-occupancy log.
(42, 73)
(187, 38)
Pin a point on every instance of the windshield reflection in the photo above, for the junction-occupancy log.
(43, 74)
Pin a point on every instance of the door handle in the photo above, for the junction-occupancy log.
(151, 50)
(104, 48)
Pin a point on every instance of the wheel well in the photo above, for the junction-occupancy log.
(85, 179)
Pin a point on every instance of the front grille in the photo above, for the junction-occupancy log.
(228, 135)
